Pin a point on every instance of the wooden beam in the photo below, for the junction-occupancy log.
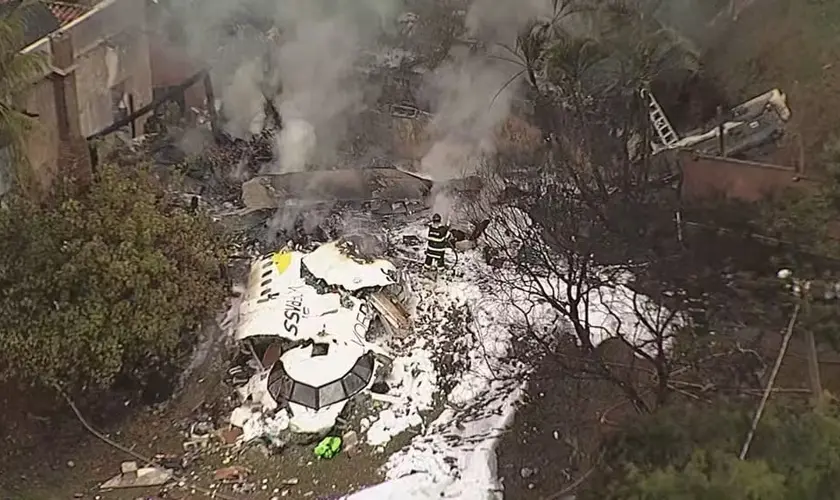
(167, 96)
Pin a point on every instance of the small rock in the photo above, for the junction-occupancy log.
(233, 473)
(129, 467)
(350, 441)
(531, 486)
(291, 481)
(71, 464)
(78, 495)
(526, 472)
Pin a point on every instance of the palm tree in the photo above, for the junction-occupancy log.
(534, 39)
(16, 71)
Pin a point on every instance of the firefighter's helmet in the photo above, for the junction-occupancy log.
(436, 218)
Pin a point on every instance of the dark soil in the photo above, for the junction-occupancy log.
(62, 460)
(557, 432)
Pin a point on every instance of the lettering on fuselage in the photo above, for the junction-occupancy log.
(293, 312)
(363, 319)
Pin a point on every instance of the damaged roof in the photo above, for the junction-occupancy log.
(42, 18)
(347, 185)
(752, 124)
(66, 12)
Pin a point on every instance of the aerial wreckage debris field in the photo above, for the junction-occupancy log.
(340, 363)
(342, 366)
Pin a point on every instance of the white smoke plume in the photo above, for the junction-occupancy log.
(303, 57)
(472, 93)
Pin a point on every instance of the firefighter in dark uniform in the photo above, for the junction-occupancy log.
(436, 242)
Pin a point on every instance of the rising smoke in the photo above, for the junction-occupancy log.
(472, 92)
(303, 60)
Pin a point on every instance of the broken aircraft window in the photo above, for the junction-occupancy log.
(280, 385)
(305, 395)
(266, 274)
(331, 394)
(353, 383)
(364, 367)
(266, 282)
(320, 349)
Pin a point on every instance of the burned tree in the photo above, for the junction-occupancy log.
(575, 223)
(548, 242)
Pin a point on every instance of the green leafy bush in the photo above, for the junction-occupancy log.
(104, 283)
(691, 452)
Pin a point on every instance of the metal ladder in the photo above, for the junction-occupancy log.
(667, 135)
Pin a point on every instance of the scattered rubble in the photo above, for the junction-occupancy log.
(388, 185)
(131, 476)
(231, 474)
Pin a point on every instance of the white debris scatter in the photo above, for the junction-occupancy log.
(255, 393)
(455, 455)
(463, 327)
(256, 423)
(331, 359)
(419, 486)
(618, 309)
(413, 384)
(334, 266)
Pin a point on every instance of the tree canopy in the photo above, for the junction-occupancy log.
(691, 452)
(107, 282)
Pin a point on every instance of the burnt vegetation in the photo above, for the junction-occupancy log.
(594, 213)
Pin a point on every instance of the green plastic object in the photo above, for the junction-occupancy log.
(328, 447)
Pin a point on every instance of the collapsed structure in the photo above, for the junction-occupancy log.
(750, 125)
(314, 317)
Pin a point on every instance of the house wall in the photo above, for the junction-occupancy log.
(111, 51)
(171, 67)
(106, 49)
(705, 176)
(43, 142)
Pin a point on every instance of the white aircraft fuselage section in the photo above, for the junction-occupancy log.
(278, 302)
(317, 378)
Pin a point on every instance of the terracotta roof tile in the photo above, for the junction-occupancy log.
(66, 12)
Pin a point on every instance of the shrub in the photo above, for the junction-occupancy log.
(104, 283)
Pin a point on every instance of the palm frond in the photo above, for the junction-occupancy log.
(572, 57)
(17, 70)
